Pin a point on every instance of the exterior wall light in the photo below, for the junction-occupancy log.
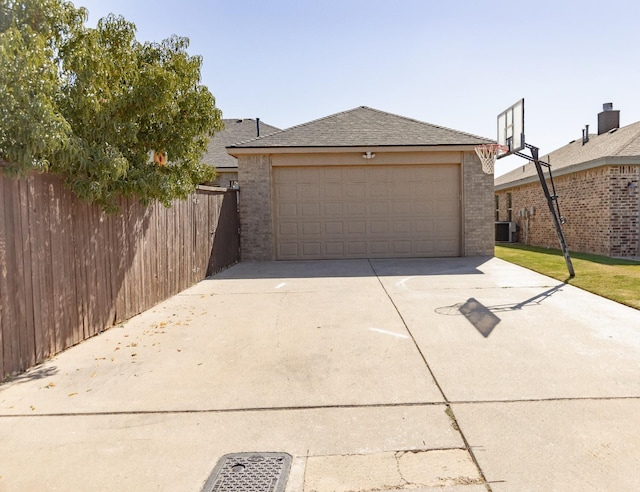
(368, 155)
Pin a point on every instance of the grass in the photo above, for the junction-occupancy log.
(615, 279)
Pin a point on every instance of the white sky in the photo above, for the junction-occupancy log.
(448, 62)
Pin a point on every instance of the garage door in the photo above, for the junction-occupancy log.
(367, 211)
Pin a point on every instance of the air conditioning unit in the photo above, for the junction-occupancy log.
(506, 232)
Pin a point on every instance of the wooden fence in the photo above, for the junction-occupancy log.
(68, 271)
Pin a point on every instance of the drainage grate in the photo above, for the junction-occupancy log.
(250, 472)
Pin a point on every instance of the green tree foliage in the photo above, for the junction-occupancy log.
(91, 103)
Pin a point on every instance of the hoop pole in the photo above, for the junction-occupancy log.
(552, 209)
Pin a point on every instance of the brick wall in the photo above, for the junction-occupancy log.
(478, 208)
(503, 208)
(256, 216)
(584, 202)
(601, 211)
(624, 183)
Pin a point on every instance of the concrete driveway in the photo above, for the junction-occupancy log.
(466, 373)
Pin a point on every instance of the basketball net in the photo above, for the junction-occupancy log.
(487, 154)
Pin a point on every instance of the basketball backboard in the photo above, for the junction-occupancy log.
(511, 129)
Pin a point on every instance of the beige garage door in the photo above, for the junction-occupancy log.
(367, 211)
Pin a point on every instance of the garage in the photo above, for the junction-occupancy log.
(363, 184)
(366, 212)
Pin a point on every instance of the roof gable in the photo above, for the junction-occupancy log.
(363, 126)
(619, 143)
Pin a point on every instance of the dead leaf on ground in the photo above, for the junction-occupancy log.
(73, 394)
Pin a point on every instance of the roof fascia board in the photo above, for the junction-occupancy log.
(582, 166)
(235, 151)
(514, 184)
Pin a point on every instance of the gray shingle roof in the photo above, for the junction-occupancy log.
(235, 130)
(617, 146)
(363, 126)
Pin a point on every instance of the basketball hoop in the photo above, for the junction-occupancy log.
(487, 154)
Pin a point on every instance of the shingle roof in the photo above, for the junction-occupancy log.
(620, 145)
(363, 126)
(235, 130)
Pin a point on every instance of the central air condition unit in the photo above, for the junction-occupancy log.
(506, 232)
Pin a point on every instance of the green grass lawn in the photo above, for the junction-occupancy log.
(612, 278)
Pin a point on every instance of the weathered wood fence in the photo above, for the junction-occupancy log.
(68, 271)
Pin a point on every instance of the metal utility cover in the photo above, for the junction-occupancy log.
(250, 472)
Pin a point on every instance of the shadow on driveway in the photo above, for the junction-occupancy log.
(354, 268)
(35, 374)
(484, 319)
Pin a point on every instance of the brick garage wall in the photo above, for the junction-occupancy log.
(600, 209)
(256, 215)
(478, 208)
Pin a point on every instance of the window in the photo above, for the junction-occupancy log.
(509, 207)
(497, 208)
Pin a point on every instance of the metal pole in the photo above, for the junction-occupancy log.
(552, 209)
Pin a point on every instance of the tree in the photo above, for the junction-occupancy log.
(91, 104)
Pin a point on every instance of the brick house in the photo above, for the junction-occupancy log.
(597, 181)
(235, 130)
(363, 184)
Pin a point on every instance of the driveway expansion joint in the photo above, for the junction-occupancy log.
(227, 410)
(448, 410)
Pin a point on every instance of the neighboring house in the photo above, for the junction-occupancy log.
(596, 180)
(235, 130)
(363, 184)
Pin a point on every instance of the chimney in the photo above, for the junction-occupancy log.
(608, 119)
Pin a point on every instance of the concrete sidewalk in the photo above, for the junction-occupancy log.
(468, 374)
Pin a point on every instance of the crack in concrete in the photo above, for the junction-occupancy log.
(397, 456)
